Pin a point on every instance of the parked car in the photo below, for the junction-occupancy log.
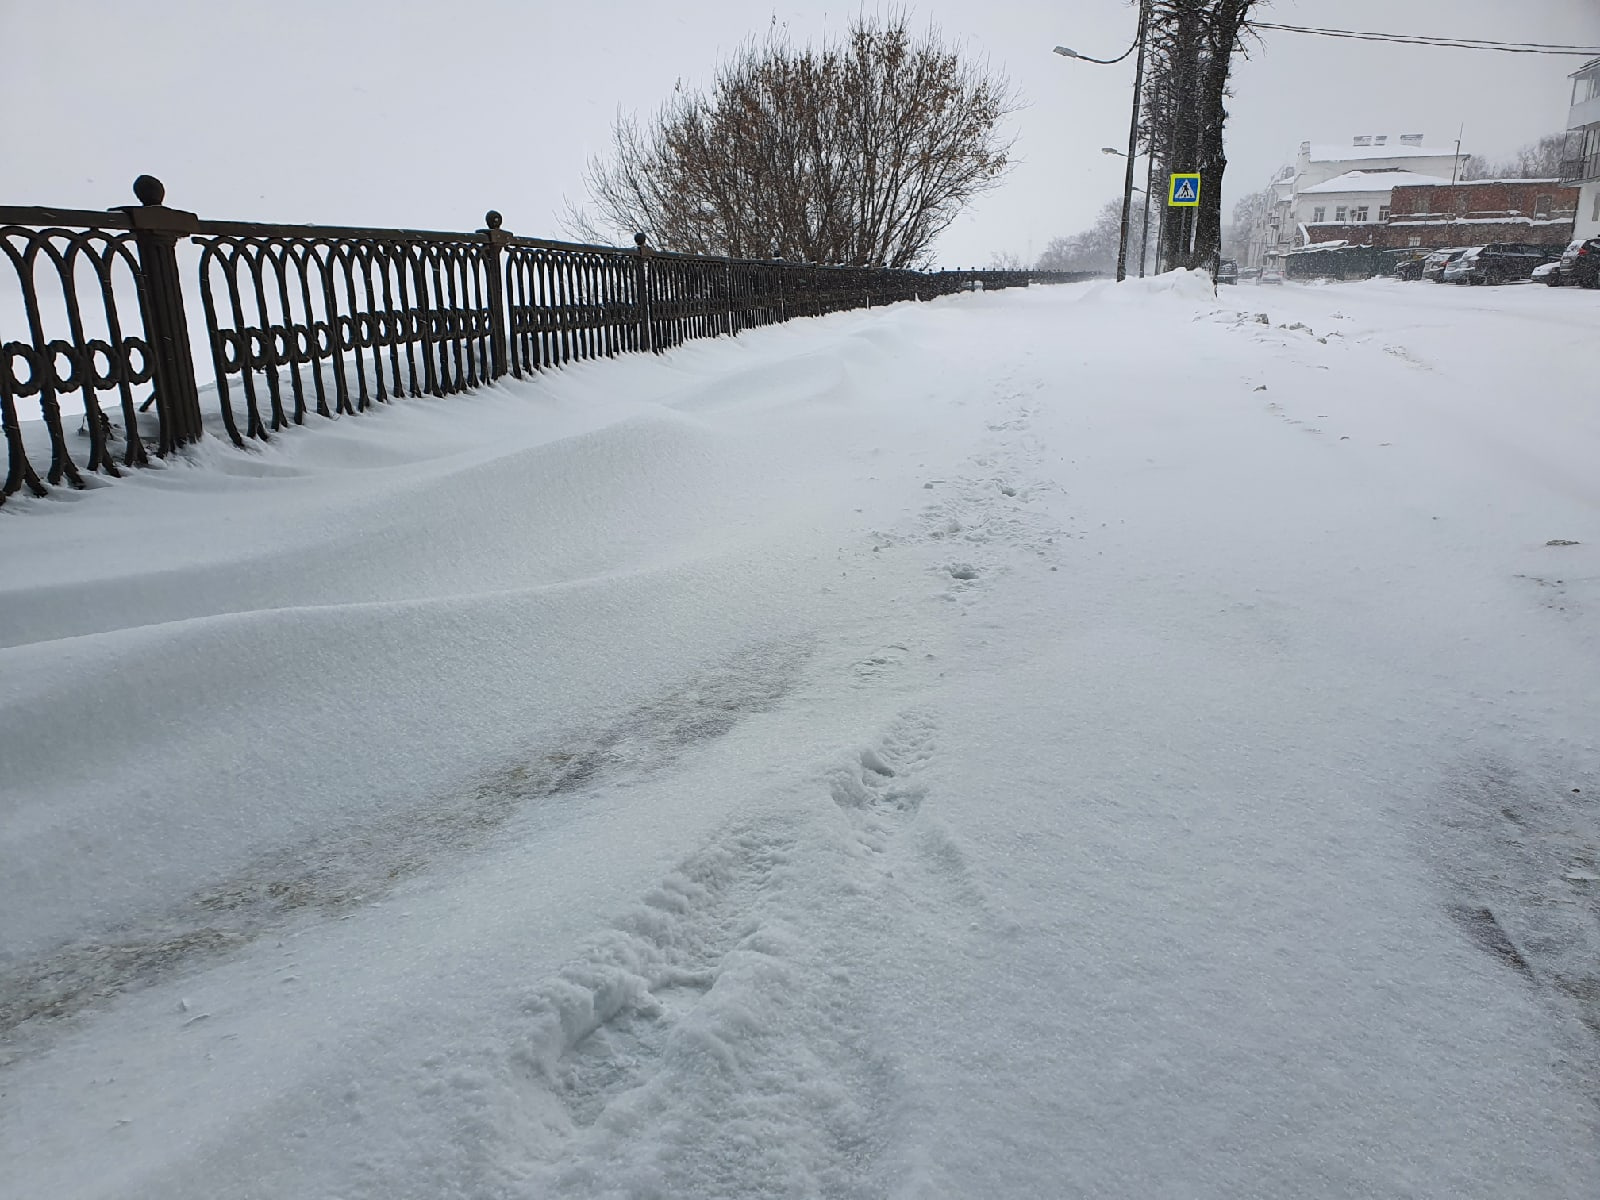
(1580, 263)
(1227, 271)
(1456, 270)
(1270, 275)
(1433, 266)
(1249, 273)
(1504, 262)
(1547, 273)
(1411, 269)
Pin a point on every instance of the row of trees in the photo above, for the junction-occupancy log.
(1190, 47)
(1536, 160)
(864, 150)
(1095, 249)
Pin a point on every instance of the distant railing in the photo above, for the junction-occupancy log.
(311, 320)
(1581, 170)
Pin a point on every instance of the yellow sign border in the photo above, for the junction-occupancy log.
(1172, 191)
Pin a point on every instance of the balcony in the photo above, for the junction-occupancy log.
(1581, 170)
(1585, 112)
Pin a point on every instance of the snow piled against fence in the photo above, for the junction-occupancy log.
(1103, 741)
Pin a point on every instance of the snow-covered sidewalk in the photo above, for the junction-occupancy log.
(1081, 742)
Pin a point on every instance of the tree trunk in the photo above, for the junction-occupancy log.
(1185, 134)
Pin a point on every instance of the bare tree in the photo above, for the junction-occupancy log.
(1537, 160)
(861, 152)
(1095, 249)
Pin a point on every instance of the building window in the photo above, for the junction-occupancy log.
(1319, 215)
(1541, 206)
(1339, 214)
(1383, 212)
(1359, 216)
(1413, 241)
(1596, 216)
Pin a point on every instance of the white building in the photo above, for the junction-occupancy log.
(1354, 198)
(1583, 120)
(1318, 164)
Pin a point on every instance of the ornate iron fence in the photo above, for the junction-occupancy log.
(324, 321)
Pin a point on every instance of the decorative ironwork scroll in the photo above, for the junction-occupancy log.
(79, 331)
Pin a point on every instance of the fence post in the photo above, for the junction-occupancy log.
(641, 272)
(156, 230)
(495, 239)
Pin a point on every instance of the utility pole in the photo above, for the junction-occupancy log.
(1144, 230)
(1133, 145)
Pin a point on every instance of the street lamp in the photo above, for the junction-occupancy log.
(1133, 126)
(1104, 62)
(1144, 228)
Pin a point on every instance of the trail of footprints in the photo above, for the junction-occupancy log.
(883, 787)
(986, 513)
(608, 1025)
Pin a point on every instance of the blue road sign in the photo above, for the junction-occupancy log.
(1184, 191)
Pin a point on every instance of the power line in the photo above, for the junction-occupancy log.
(1454, 43)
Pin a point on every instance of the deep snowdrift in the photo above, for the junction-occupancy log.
(1081, 742)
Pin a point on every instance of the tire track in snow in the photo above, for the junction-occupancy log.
(1519, 865)
(341, 870)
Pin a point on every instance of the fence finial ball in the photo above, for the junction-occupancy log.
(492, 219)
(149, 190)
(639, 239)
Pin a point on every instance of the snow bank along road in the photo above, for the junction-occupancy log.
(1074, 743)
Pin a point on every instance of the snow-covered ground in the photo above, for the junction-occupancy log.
(1081, 742)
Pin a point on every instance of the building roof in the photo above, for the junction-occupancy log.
(1372, 181)
(1392, 149)
(1513, 179)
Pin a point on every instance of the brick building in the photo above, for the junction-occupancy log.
(1536, 211)
(1434, 215)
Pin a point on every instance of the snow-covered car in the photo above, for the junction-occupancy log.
(1548, 273)
(1580, 263)
(1410, 269)
(1227, 271)
(1508, 262)
(1458, 269)
(1433, 266)
(1270, 276)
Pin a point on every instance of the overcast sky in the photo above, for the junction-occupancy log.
(427, 112)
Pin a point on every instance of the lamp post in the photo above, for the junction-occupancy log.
(1144, 226)
(1133, 128)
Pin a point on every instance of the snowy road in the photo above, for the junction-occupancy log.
(1083, 742)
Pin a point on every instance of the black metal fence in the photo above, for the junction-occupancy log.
(328, 321)
(1582, 168)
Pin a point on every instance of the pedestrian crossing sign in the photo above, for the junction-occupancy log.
(1184, 191)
